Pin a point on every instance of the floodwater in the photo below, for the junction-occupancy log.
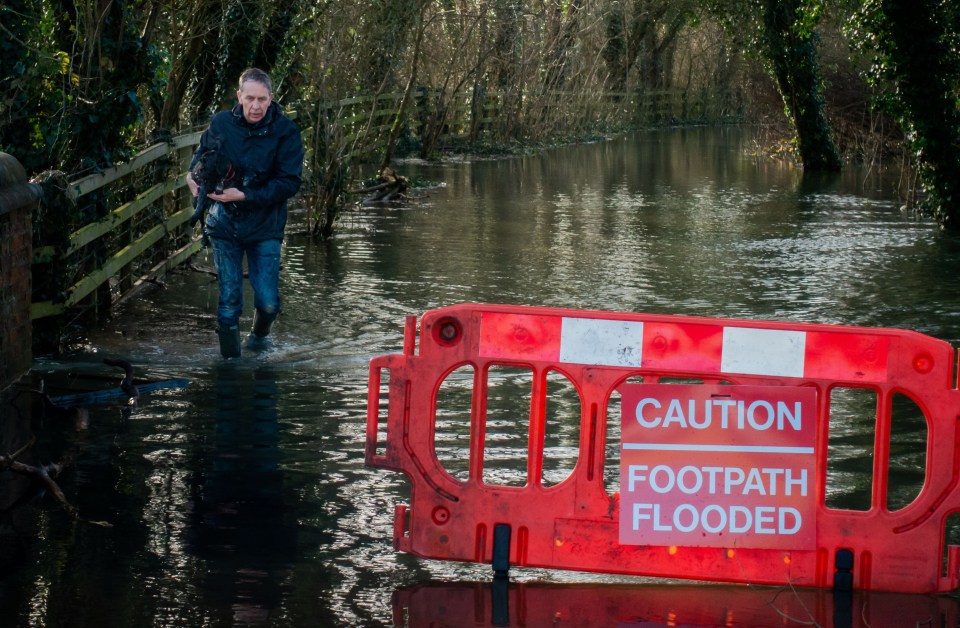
(243, 498)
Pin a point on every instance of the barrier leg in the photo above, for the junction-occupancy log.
(843, 576)
(501, 551)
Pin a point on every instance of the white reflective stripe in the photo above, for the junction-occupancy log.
(763, 351)
(601, 342)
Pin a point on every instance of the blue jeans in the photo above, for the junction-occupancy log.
(263, 262)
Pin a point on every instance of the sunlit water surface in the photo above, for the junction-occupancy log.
(244, 499)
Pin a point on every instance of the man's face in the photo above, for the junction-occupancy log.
(254, 98)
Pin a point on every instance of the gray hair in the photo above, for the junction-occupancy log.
(257, 76)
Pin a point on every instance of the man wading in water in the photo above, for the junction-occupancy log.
(265, 153)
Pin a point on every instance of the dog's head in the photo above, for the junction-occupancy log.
(213, 169)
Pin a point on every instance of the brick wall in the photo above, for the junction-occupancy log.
(16, 255)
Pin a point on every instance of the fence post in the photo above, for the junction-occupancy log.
(17, 198)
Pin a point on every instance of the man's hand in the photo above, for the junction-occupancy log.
(229, 195)
(194, 188)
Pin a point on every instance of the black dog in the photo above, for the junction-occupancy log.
(212, 172)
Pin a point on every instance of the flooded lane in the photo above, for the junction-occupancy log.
(243, 499)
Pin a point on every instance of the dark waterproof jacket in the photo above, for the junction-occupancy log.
(267, 164)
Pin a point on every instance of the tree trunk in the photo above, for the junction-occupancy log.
(915, 39)
(615, 48)
(505, 63)
(188, 53)
(792, 55)
(380, 56)
(400, 116)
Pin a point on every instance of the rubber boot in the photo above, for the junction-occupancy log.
(257, 340)
(229, 341)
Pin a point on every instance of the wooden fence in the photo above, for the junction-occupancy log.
(139, 211)
(142, 234)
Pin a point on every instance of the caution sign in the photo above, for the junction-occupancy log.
(718, 466)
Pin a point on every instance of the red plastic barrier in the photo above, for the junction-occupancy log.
(725, 473)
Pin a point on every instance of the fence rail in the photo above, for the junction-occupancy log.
(137, 212)
(138, 238)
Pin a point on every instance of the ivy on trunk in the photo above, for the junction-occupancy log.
(792, 55)
(916, 50)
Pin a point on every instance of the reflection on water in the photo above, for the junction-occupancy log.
(237, 517)
(243, 498)
(499, 603)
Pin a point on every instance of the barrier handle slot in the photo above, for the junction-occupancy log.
(373, 411)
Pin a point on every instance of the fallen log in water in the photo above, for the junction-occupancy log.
(44, 475)
(390, 186)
